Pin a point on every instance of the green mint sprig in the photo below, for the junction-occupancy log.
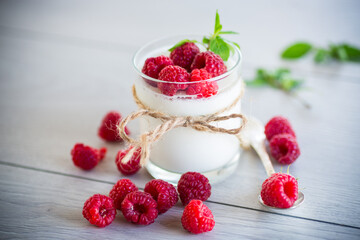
(339, 52)
(280, 79)
(215, 42)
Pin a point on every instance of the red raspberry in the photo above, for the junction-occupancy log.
(197, 217)
(278, 125)
(193, 185)
(280, 190)
(203, 89)
(87, 157)
(130, 167)
(99, 210)
(139, 208)
(184, 55)
(163, 193)
(211, 62)
(108, 128)
(284, 148)
(153, 66)
(120, 190)
(173, 74)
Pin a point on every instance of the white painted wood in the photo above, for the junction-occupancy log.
(52, 209)
(265, 27)
(54, 95)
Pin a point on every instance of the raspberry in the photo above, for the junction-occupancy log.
(99, 210)
(130, 167)
(193, 185)
(202, 89)
(108, 127)
(139, 208)
(280, 190)
(211, 62)
(173, 74)
(120, 190)
(163, 193)
(87, 157)
(278, 125)
(197, 217)
(184, 55)
(153, 66)
(284, 148)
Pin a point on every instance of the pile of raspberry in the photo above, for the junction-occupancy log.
(143, 207)
(280, 190)
(186, 70)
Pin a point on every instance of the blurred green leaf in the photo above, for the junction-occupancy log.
(296, 50)
(321, 55)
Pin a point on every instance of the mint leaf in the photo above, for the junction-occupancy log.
(181, 43)
(228, 32)
(352, 52)
(206, 40)
(218, 26)
(220, 47)
(257, 82)
(296, 50)
(321, 55)
(237, 45)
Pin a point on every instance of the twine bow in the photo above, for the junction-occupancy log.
(199, 123)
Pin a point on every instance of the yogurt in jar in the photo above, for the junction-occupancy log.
(185, 149)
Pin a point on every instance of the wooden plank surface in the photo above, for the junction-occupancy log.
(63, 64)
(52, 120)
(54, 205)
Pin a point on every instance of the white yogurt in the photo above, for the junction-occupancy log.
(185, 149)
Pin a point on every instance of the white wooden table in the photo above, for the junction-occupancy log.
(64, 64)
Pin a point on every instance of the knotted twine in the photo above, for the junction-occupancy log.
(199, 123)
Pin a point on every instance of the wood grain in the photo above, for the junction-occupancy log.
(60, 111)
(52, 209)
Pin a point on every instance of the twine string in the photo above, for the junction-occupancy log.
(169, 122)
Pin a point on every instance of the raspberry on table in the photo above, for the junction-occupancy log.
(173, 74)
(184, 55)
(197, 217)
(130, 167)
(164, 194)
(209, 61)
(99, 210)
(139, 208)
(87, 157)
(108, 128)
(154, 65)
(278, 125)
(119, 191)
(284, 148)
(280, 190)
(202, 89)
(193, 185)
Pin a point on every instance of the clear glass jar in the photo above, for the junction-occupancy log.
(184, 149)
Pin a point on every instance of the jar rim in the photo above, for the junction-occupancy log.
(237, 52)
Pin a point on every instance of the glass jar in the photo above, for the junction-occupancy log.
(184, 149)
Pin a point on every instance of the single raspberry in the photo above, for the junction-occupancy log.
(99, 210)
(278, 125)
(108, 128)
(87, 157)
(280, 190)
(163, 193)
(197, 217)
(211, 62)
(120, 190)
(203, 89)
(154, 65)
(184, 55)
(193, 185)
(284, 148)
(139, 208)
(173, 74)
(128, 167)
